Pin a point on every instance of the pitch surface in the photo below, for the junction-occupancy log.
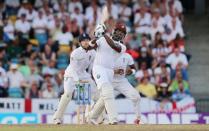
(104, 128)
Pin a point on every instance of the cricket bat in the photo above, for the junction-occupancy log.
(105, 15)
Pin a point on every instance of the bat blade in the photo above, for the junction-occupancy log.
(105, 15)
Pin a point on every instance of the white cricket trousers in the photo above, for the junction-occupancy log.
(125, 88)
(103, 77)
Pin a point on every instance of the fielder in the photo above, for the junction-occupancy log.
(80, 60)
(124, 65)
(107, 51)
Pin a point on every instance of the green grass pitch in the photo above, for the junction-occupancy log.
(104, 128)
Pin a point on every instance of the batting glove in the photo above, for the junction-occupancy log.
(99, 30)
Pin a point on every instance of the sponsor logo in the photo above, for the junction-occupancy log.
(15, 118)
(148, 118)
(11, 105)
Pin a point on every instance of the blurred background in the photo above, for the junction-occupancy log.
(168, 40)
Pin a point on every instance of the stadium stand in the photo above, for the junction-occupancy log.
(38, 37)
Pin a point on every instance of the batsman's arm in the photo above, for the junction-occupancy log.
(115, 46)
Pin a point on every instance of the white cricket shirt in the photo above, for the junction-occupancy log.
(105, 55)
(122, 62)
(80, 60)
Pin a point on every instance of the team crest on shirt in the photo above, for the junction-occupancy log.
(98, 76)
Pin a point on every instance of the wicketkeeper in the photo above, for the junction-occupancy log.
(81, 60)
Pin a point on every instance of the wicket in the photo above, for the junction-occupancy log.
(83, 100)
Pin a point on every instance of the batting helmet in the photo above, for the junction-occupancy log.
(120, 26)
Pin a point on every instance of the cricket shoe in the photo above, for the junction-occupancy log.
(90, 120)
(113, 123)
(57, 121)
(101, 121)
(93, 122)
(138, 122)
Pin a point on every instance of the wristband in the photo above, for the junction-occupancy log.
(90, 44)
(133, 71)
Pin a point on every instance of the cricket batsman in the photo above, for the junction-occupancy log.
(108, 49)
(80, 60)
